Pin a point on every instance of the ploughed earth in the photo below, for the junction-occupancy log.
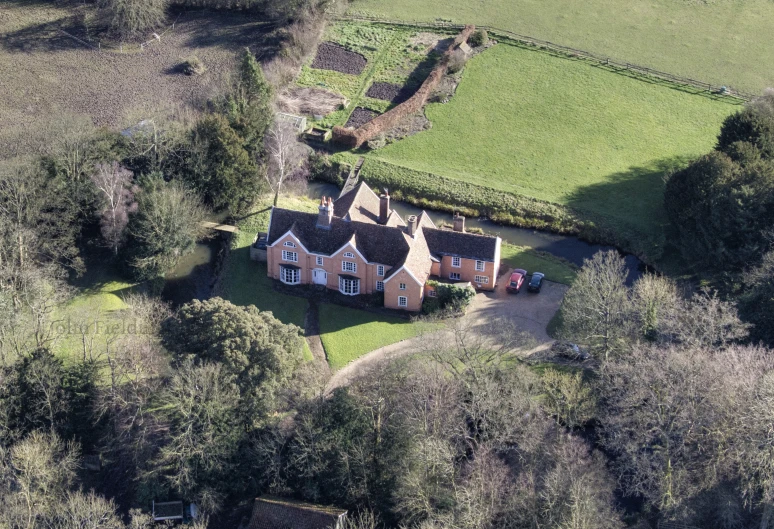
(389, 92)
(331, 56)
(359, 117)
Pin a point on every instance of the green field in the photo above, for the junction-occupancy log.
(723, 42)
(564, 131)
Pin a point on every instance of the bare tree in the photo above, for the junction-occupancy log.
(285, 155)
(37, 473)
(115, 187)
(568, 397)
(595, 309)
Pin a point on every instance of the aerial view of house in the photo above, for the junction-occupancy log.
(358, 245)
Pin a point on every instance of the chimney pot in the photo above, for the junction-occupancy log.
(384, 207)
(412, 225)
(459, 222)
(325, 215)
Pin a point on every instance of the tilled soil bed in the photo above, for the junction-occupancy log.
(389, 92)
(359, 117)
(331, 56)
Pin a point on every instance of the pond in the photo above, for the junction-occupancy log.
(195, 274)
(565, 246)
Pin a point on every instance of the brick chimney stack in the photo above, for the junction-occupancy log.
(412, 225)
(459, 223)
(384, 207)
(325, 215)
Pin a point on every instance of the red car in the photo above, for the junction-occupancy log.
(516, 281)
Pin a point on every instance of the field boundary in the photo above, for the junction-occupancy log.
(570, 52)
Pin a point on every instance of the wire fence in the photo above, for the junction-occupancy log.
(570, 52)
(120, 47)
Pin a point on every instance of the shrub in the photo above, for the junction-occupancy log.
(130, 17)
(450, 297)
(457, 61)
(478, 38)
(192, 66)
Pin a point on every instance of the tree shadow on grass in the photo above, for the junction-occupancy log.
(630, 204)
(44, 37)
(232, 31)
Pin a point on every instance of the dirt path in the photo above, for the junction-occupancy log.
(529, 312)
(312, 332)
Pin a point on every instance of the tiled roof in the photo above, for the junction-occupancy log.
(359, 204)
(355, 220)
(377, 243)
(279, 513)
(460, 244)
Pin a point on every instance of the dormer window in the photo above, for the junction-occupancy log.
(289, 244)
(349, 255)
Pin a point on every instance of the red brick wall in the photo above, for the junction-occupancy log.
(468, 272)
(414, 292)
(356, 137)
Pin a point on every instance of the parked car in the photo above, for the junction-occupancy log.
(516, 280)
(569, 351)
(536, 282)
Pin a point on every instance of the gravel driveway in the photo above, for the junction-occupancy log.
(528, 312)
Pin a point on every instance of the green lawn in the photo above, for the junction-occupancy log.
(531, 260)
(348, 333)
(99, 296)
(563, 131)
(718, 41)
(244, 282)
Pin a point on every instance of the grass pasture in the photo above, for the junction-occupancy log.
(715, 41)
(563, 131)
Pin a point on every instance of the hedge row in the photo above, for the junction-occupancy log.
(436, 192)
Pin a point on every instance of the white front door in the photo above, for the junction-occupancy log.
(319, 276)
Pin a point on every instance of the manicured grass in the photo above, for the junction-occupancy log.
(564, 131)
(348, 333)
(244, 282)
(555, 269)
(721, 42)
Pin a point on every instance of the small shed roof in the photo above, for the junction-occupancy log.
(271, 512)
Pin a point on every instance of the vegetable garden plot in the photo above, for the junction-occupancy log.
(359, 117)
(333, 57)
(389, 92)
